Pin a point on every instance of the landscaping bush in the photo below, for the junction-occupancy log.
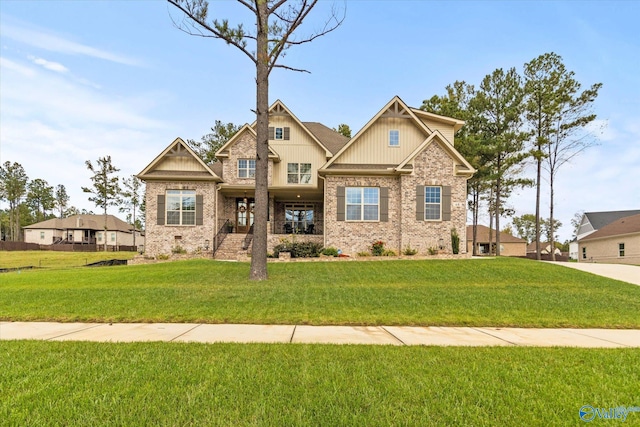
(409, 251)
(389, 252)
(455, 241)
(298, 249)
(377, 248)
(330, 251)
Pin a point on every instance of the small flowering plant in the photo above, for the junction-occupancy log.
(377, 248)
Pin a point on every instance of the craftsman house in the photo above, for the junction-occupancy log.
(399, 180)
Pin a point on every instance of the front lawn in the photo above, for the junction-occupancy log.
(171, 384)
(56, 259)
(493, 292)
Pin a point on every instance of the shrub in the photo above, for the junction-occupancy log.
(330, 251)
(432, 251)
(377, 248)
(298, 249)
(178, 250)
(163, 257)
(409, 251)
(455, 241)
(389, 252)
(363, 253)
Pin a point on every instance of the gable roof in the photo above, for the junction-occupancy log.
(178, 148)
(224, 150)
(397, 108)
(601, 219)
(483, 235)
(456, 123)
(624, 225)
(278, 108)
(465, 168)
(83, 222)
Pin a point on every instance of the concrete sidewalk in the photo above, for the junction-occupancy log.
(622, 272)
(389, 335)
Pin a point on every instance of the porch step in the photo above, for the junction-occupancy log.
(231, 248)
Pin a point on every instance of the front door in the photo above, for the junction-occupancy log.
(244, 214)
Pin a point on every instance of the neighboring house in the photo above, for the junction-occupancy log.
(592, 222)
(616, 243)
(545, 249)
(509, 245)
(399, 180)
(87, 229)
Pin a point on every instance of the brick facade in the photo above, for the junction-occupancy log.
(163, 239)
(431, 167)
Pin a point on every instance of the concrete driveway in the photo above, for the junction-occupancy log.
(623, 272)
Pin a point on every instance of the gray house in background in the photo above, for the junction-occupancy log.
(594, 221)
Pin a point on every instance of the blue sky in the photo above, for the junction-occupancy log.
(85, 79)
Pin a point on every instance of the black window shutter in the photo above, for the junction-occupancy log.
(341, 207)
(446, 203)
(420, 202)
(199, 209)
(161, 209)
(287, 133)
(272, 133)
(384, 204)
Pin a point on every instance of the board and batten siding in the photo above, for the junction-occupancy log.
(373, 146)
(445, 129)
(179, 163)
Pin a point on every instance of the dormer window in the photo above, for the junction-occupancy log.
(394, 138)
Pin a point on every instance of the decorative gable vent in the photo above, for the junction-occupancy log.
(178, 151)
(396, 111)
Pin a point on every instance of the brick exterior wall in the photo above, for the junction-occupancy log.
(244, 148)
(431, 167)
(161, 239)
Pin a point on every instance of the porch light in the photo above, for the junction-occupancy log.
(245, 200)
(441, 243)
(206, 245)
(298, 196)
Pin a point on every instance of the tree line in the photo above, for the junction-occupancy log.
(539, 116)
(35, 200)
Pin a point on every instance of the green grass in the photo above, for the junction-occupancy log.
(493, 292)
(160, 384)
(56, 259)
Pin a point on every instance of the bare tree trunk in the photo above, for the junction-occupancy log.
(551, 228)
(259, 250)
(476, 211)
(538, 184)
(497, 214)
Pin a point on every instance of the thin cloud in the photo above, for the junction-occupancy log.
(43, 39)
(49, 65)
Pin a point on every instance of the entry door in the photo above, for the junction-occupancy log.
(244, 215)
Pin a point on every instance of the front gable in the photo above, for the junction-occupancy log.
(178, 162)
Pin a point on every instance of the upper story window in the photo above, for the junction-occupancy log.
(621, 249)
(394, 138)
(246, 168)
(298, 173)
(181, 207)
(362, 203)
(279, 133)
(432, 203)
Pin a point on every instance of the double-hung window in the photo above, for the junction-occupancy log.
(621, 249)
(362, 203)
(181, 207)
(432, 203)
(394, 138)
(246, 168)
(298, 173)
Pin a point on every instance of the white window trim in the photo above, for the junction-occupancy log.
(362, 205)
(426, 203)
(247, 169)
(398, 132)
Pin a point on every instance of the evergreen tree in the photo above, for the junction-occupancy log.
(13, 187)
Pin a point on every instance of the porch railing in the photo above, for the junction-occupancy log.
(219, 238)
(290, 227)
